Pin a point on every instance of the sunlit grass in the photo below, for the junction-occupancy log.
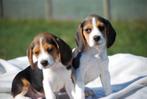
(15, 36)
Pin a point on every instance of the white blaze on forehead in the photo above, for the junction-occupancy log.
(95, 30)
(94, 23)
(41, 46)
(43, 53)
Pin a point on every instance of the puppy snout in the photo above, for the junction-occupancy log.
(44, 62)
(96, 38)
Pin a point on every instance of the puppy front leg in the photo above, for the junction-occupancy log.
(106, 82)
(79, 85)
(79, 91)
(49, 94)
(69, 86)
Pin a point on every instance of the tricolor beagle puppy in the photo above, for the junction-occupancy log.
(95, 34)
(49, 71)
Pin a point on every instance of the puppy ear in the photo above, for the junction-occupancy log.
(110, 33)
(65, 52)
(80, 40)
(30, 55)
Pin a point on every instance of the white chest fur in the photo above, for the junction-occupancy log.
(56, 76)
(93, 63)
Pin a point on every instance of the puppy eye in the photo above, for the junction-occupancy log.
(88, 30)
(50, 49)
(36, 52)
(101, 28)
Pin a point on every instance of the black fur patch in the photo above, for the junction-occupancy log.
(34, 77)
(76, 61)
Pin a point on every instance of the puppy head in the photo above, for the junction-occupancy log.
(47, 49)
(95, 31)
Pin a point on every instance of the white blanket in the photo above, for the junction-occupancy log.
(128, 77)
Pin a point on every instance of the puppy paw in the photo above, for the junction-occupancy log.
(89, 93)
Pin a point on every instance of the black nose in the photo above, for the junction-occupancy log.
(96, 38)
(44, 62)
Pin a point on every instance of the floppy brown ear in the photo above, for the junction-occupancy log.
(65, 52)
(110, 33)
(80, 40)
(30, 55)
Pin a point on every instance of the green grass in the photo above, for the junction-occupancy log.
(131, 38)
(15, 36)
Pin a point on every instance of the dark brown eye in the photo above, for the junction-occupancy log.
(50, 50)
(36, 52)
(88, 30)
(101, 28)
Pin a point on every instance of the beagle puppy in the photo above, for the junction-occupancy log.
(95, 34)
(50, 61)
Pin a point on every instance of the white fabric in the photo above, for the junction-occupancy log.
(128, 76)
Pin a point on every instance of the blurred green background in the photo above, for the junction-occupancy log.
(15, 36)
(21, 20)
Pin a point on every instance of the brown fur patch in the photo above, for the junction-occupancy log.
(26, 85)
(36, 50)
